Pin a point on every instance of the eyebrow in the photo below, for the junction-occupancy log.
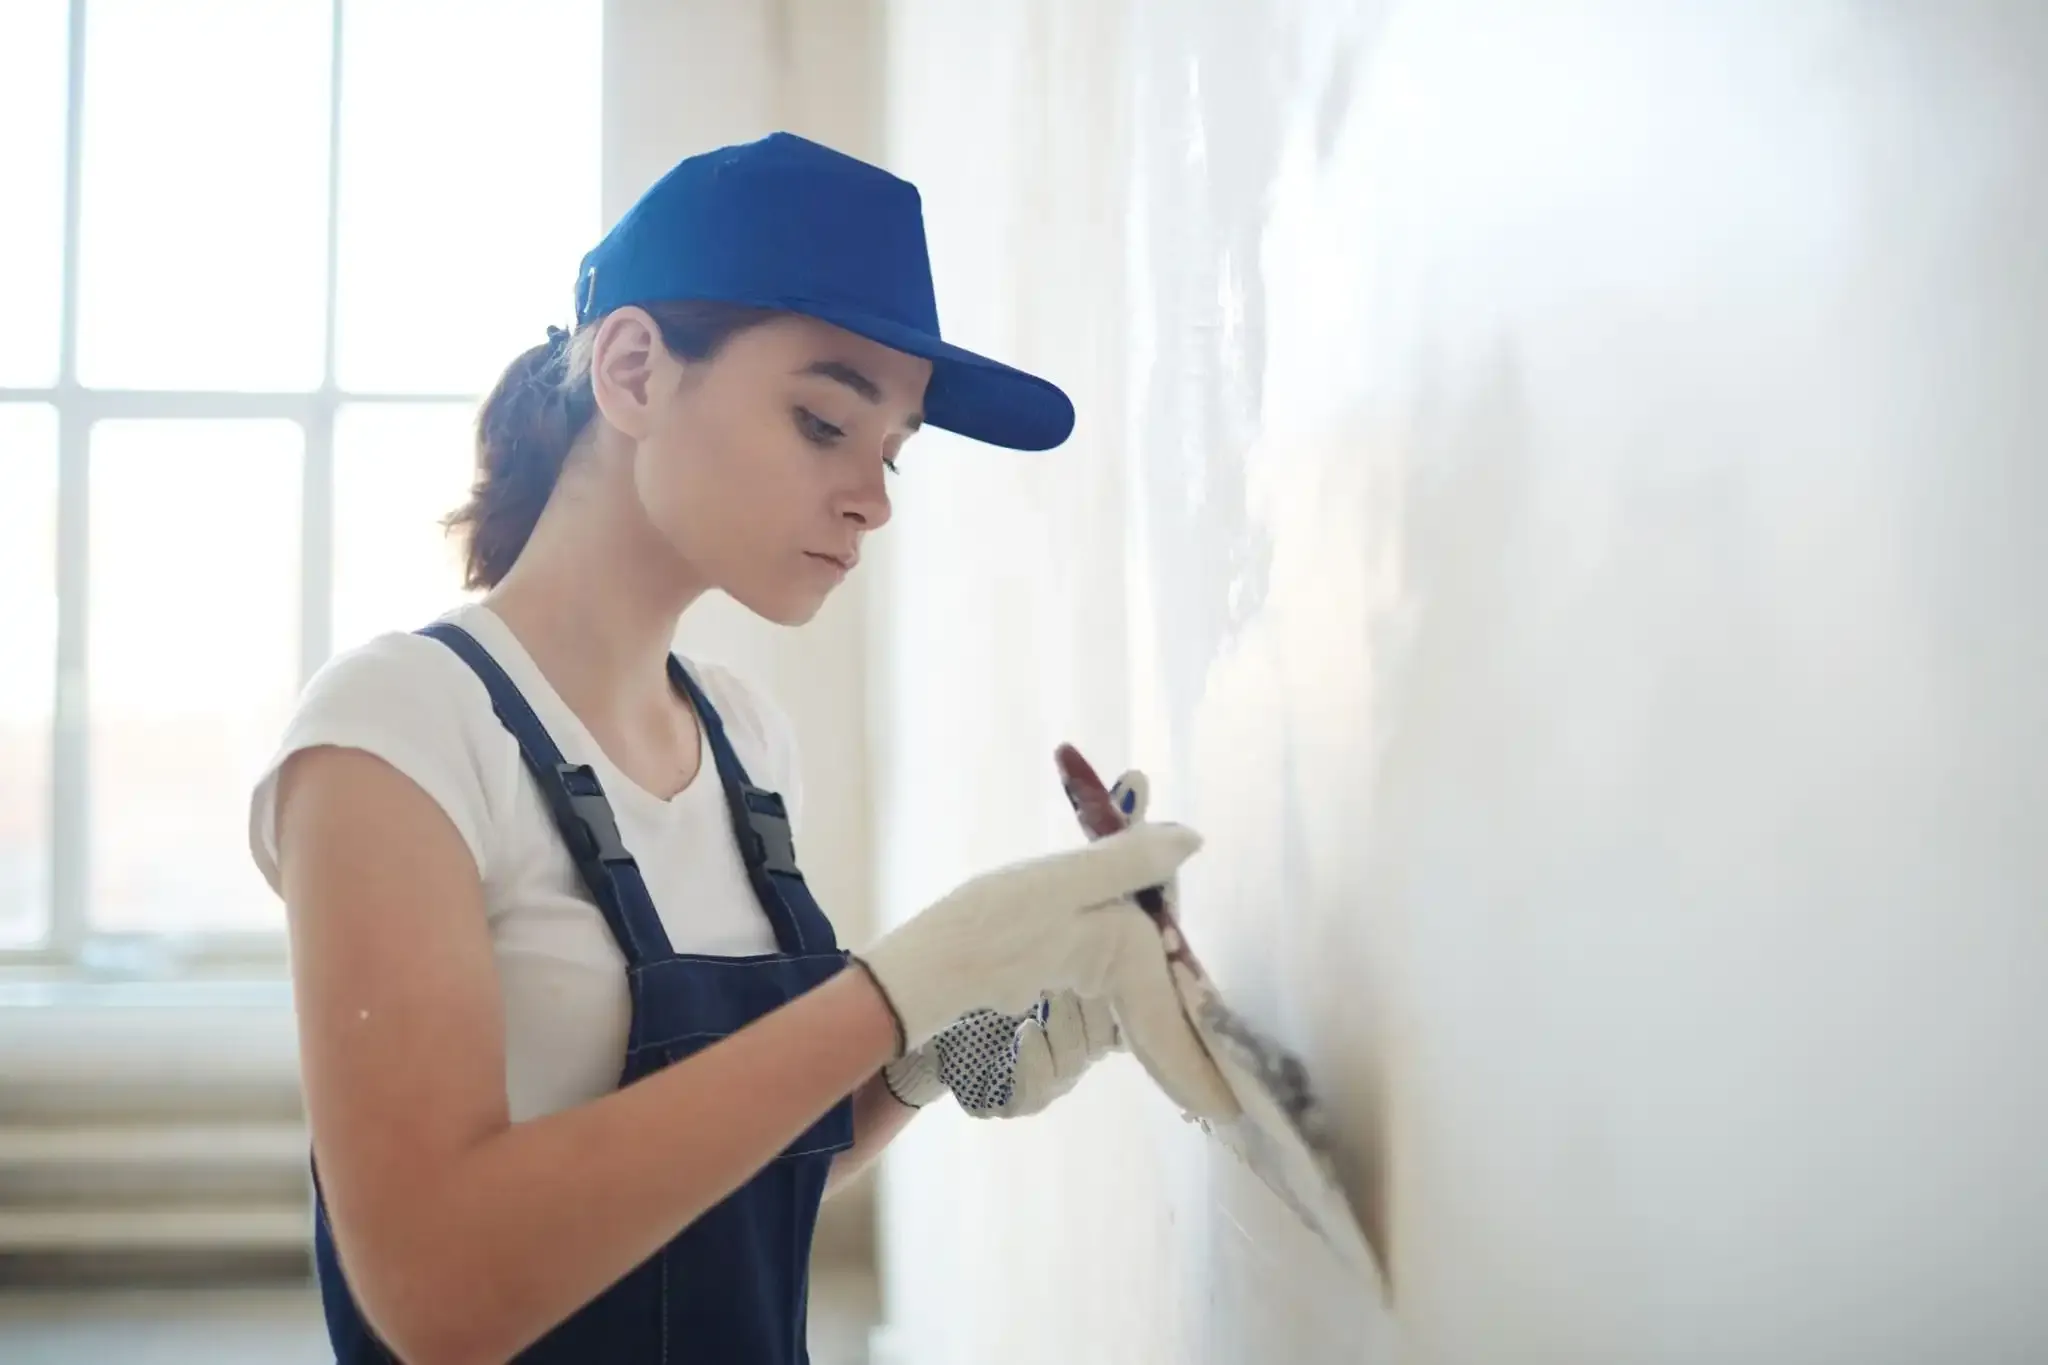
(841, 372)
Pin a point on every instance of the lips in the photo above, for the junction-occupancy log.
(845, 562)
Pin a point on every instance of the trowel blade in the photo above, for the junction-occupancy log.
(1279, 1133)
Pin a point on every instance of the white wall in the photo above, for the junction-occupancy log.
(1570, 477)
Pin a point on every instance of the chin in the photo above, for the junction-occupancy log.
(785, 608)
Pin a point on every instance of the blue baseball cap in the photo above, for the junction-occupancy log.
(787, 224)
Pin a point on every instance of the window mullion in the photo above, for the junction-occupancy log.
(70, 804)
(316, 541)
(70, 866)
(316, 553)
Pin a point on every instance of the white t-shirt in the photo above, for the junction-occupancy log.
(412, 702)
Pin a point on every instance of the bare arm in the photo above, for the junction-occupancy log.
(465, 1236)
(878, 1117)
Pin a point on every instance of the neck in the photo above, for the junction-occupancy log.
(595, 598)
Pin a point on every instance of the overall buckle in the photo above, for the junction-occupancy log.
(773, 846)
(596, 829)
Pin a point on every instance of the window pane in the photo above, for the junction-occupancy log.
(469, 185)
(28, 642)
(192, 662)
(398, 469)
(33, 68)
(203, 203)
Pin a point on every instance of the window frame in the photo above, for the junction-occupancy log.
(71, 943)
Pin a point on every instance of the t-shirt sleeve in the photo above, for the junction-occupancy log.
(761, 733)
(409, 700)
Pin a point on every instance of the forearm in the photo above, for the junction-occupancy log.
(878, 1117)
(539, 1218)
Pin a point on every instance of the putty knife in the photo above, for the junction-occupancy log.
(1282, 1135)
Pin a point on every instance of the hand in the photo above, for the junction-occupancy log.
(1064, 922)
(1192, 1081)
(1004, 1065)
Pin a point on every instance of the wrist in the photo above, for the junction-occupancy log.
(912, 1080)
(919, 986)
(880, 993)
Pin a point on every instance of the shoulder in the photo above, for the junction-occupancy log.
(402, 672)
(411, 701)
(760, 730)
(403, 687)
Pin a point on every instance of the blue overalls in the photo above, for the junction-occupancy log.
(732, 1287)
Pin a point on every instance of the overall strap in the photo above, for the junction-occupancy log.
(760, 824)
(578, 804)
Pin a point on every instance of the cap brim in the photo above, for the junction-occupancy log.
(971, 395)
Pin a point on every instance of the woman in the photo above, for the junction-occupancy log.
(581, 1054)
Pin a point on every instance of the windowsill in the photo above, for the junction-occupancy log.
(120, 969)
(73, 1041)
(68, 988)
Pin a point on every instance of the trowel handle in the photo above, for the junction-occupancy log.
(1098, 814)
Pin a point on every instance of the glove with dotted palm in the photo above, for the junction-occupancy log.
(1008, 1065)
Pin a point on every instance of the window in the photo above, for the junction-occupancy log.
(259, 261)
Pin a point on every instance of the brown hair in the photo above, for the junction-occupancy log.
(534, 414)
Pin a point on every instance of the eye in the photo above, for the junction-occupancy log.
(889, 463)
(816, 429)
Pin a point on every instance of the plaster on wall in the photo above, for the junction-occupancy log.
(1574, 527)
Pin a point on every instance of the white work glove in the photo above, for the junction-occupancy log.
(1059, 923)
(1131, 794)
(1005, 1065)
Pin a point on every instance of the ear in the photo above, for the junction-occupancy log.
(626, 361)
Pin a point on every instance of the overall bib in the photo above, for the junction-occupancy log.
(732, 1287)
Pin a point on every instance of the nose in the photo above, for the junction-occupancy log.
(866, 505)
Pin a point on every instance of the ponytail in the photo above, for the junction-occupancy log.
(534, 414)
